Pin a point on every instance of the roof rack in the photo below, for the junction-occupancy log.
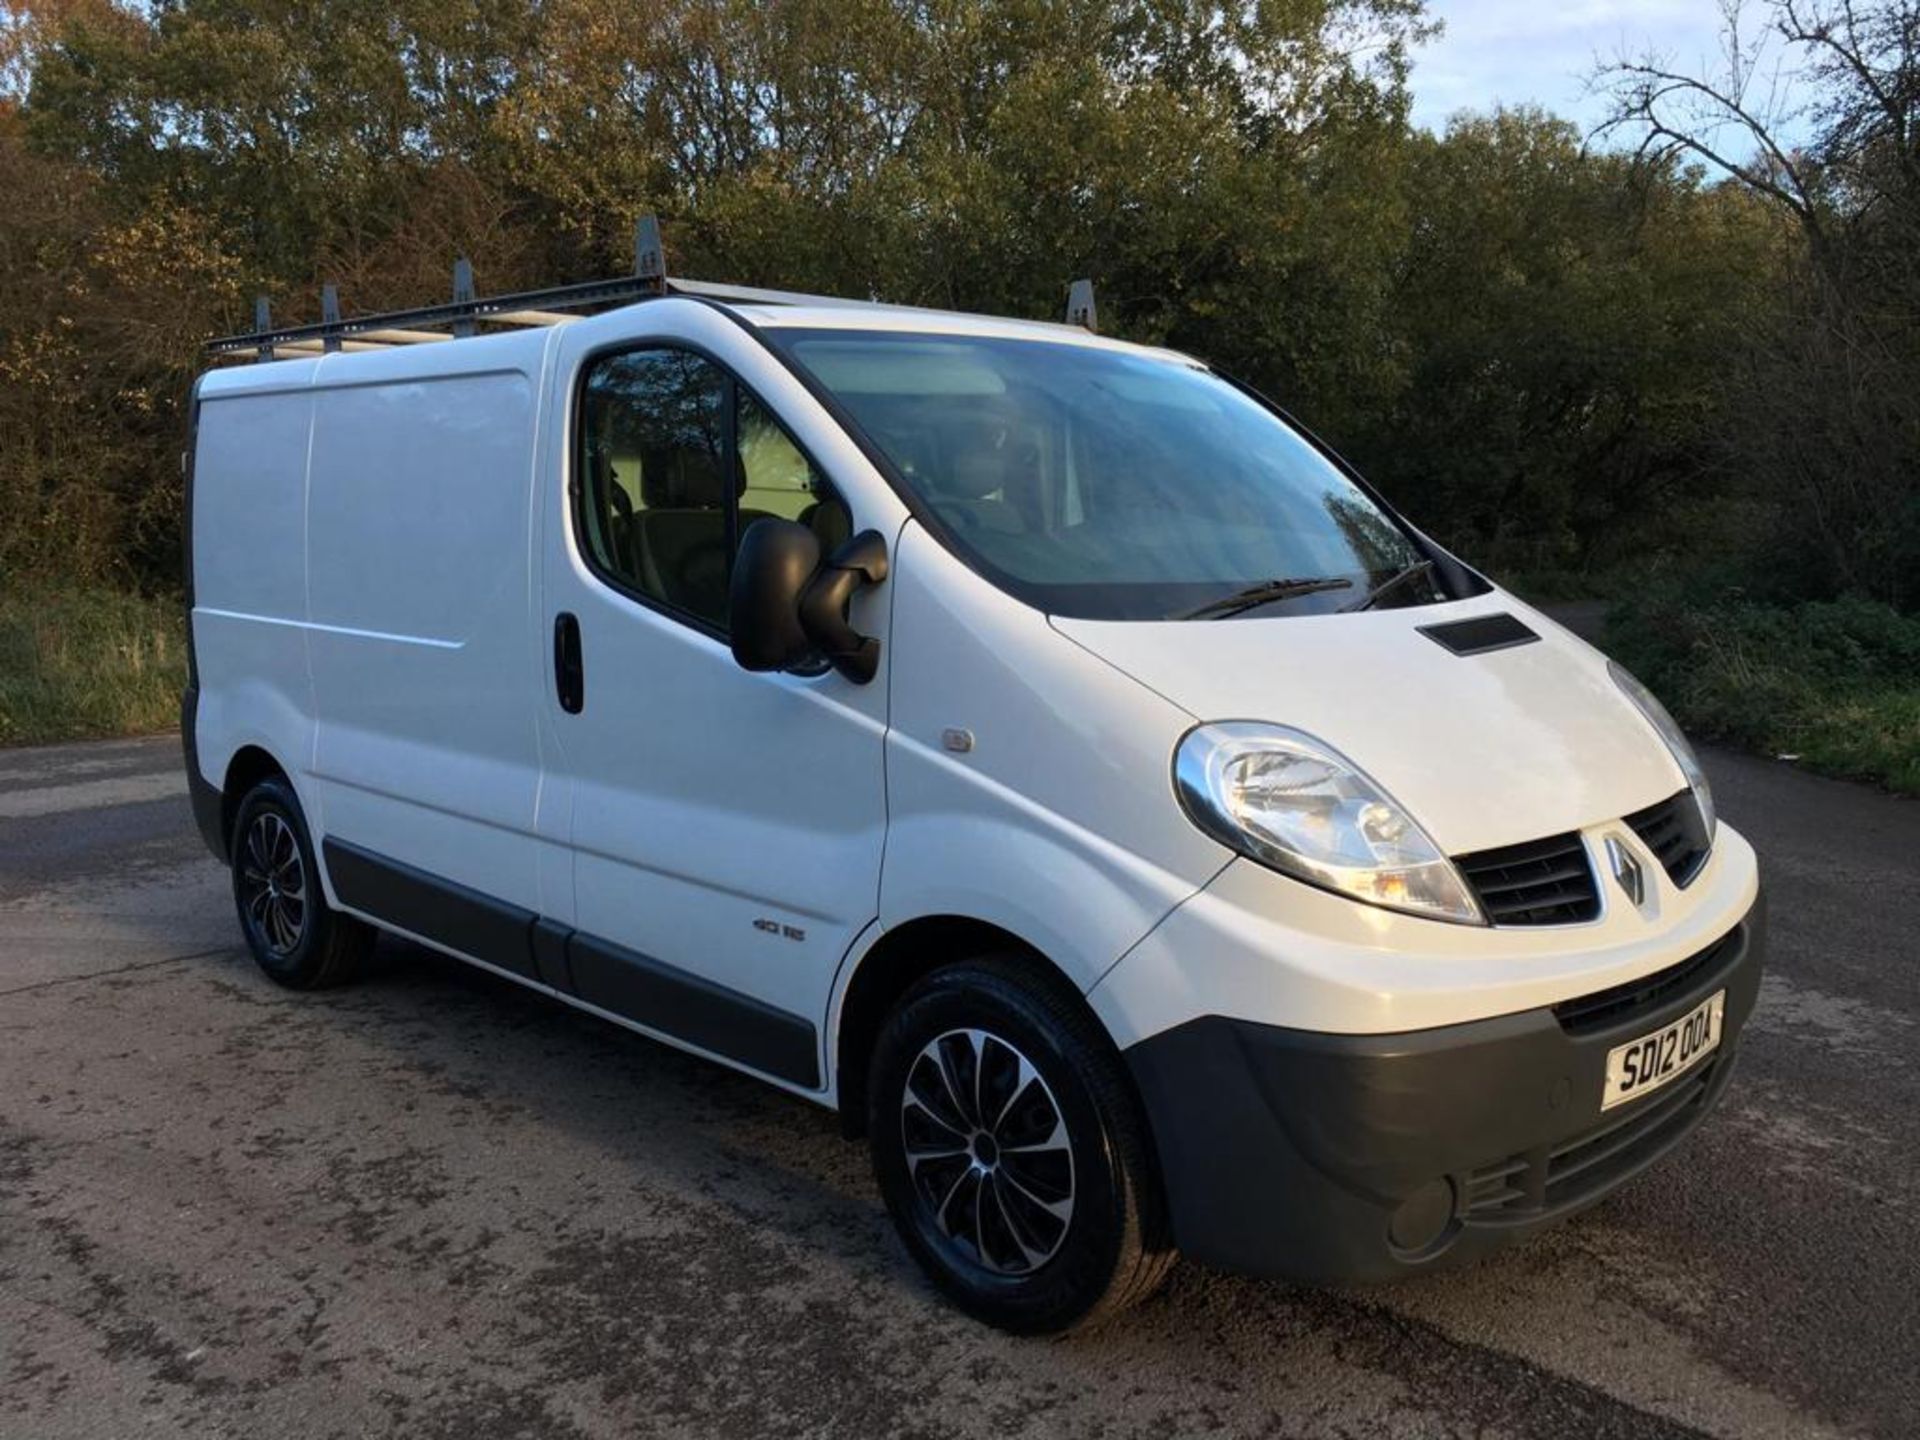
(468, 311)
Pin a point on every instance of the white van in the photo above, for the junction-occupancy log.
(1035, 747)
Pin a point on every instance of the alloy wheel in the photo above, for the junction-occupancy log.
(273, 884)
(988, 1151)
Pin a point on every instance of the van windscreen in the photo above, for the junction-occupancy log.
(1113, 485)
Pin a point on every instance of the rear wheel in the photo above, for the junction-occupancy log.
(294, 935)
(1010, 1150)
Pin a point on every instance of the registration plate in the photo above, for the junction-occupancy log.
(1642, 1066)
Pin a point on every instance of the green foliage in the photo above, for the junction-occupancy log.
(100, 318)
(82, 662)
(1565, 316)
(1820, 426)
(1228, 173)
(1834, 683)
(1557, 358)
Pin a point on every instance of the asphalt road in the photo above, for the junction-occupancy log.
(437, 1205)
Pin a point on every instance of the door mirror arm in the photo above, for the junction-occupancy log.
(856, 565)
(787, 607)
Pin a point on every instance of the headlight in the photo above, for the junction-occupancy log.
(1676, 739)
(1284, 799)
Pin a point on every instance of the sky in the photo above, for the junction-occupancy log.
(1541, 51)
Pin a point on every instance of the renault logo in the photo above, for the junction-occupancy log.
(1627, 870)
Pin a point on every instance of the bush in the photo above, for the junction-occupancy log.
(77, 663)
(1834, 683)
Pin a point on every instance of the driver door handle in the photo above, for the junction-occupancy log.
(569, 668)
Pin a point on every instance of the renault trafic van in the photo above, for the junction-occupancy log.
(1036, 748)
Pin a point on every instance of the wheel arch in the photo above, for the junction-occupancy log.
(247, 767)
(897, 959)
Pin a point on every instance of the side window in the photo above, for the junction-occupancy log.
(653, 500)
(781, 481)
(676, 459)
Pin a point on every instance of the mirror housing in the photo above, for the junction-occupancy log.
(787, 607)
(776, 563)
(857, 564)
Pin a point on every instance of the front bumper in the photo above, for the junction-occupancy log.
(1332, 1158)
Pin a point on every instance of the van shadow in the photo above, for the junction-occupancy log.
(668, 1197)
(460, 1037)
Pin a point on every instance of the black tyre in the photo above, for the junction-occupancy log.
(1011, 1152)
(294, 936)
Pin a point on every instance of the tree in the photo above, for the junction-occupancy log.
(1547, 352)
(1563, 314)
(1827, 424)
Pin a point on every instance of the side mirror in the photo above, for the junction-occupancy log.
(786, 605)
(776, 562)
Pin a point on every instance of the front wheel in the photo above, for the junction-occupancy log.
(1011, 1153)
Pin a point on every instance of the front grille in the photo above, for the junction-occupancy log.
(1543, 882)
(1545, 1180)
(1676, 832)
(1585, 1014)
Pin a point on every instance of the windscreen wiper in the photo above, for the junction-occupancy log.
(1264, 593)
(1387, 586)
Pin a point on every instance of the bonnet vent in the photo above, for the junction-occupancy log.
(1480, 634)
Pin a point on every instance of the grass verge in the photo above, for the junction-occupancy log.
(82, 662)
(1834, 684)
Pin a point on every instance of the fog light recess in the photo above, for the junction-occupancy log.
(1424, 1223)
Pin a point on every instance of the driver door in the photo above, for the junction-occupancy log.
(726, 827)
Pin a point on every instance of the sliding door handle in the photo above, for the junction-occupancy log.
(569, 668)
